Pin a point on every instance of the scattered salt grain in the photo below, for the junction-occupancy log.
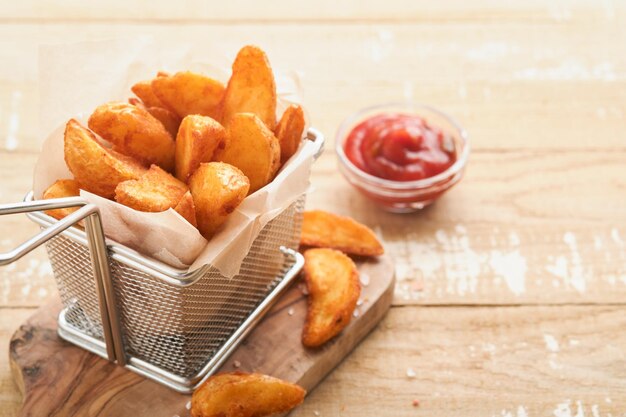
(410, 373)
(290, 312)
(365, 280)
(317, 413)
(188, 405)
(236, 364)
(355, 314)
(359, 302)
(303, 288)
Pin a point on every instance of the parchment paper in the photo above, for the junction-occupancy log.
(76, 78)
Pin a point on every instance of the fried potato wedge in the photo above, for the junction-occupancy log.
(60, 189)
(334, 289)
(251, 88)
(143, 90)
(289, 131)
(189, 93)
(96, 168)
(217, 189)
(327, 230)
(197, 140)
(169, 120)
(241, 394)
(155, 191)
(251, 147)
(133, 131)
(187, 209)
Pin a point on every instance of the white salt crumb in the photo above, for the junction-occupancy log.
(551, 343)
(175, 415)
(317, 413)
(410, 373)
(574, 342)
(236, 364)
(303, 288)
(594, 410)
(355, 314)
(365, 280)
(359, 302)
(608, 400)
(188, 405)
(290, 312)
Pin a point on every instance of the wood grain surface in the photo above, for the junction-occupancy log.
(61, 380)
(531, 242)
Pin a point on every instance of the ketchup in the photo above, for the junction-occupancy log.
(399, 147)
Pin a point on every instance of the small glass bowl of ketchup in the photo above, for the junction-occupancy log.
(402, 156)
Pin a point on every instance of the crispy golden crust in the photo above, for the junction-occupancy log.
(240, 394)
(197, 140)
(217, 189)
(169, 120)
(133, 131)
(251, 147)
(95, 168)
(187, 209)
(327, 230)
(289, 131)
(251, 88)
(143, 90)
(334, 289)
(60, 189)
(154, 191)
(189, 93)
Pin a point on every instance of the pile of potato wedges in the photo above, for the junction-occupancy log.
(186, 142)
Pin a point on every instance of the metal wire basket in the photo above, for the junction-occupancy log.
(170, 325)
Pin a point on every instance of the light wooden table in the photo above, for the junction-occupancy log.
(511, 294)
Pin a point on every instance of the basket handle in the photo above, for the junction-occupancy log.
(97, 251)
(318, 140)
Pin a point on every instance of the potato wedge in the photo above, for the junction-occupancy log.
(334, 289)
(154, 191)
(327, 230)
(60, 189)
(96, 168)
(241, 394)
(187, 209)
(143, 90)
(251, 88)
(189, 93)
(133, 131)
(289, 131)
(169, 120)
(197, 140)
(217, 189)
(251, 147)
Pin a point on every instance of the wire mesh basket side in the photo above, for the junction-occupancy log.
(179, 329)
(71, 265)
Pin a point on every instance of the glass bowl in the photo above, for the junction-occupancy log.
(404, 196)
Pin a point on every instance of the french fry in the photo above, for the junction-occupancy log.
(187, 209)
(143, 90)
(154, 191)
(289, 131)
(251, 147)
(241, 394)
(251, 88)
(197, 140)
(96, 168)
(189, 93)
(133, 131)
(334, 289)
(217, 189)
(327, 230)
(60, 189)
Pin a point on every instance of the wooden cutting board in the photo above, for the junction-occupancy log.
(59, 379)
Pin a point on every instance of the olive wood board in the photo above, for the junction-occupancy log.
(59, 379)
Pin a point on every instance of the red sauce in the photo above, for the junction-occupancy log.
(399, 147)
